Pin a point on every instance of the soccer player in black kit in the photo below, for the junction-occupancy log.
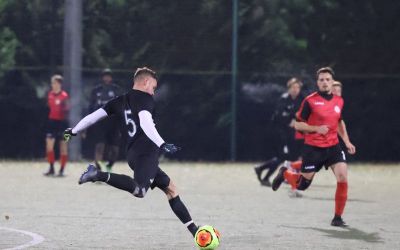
(135, 111)
(106, 133)
(289, 141)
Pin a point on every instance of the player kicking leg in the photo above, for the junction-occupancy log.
(135, 110)
(147, 175)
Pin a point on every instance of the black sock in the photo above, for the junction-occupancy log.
(119, 181)
(268, 163)
(192, 228)
(263, 166)
(102, 176)
(303, 183)
(272, 166)
(182, 213)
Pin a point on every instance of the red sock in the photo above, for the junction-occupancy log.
(50, 157)
(296, 165)
(291, 178)
(63, 160)
(340, 197)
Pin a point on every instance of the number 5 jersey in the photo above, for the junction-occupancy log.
(128, 108)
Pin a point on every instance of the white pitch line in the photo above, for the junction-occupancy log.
(36, 238)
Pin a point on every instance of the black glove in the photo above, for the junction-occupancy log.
(169, 148)
(67, 134)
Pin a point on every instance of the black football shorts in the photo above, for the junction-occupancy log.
(314, 158)
(147, 173)
(55, 128)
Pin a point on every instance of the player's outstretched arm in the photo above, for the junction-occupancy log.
(86, 122)
(147, 124)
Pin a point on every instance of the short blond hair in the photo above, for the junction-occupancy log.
(57, 78)
(337, 84)
(140, 72)
(293, 81)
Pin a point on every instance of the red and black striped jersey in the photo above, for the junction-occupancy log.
(58, 105)
(320, 109)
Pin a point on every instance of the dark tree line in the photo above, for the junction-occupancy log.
(275, 36)
(189, 43)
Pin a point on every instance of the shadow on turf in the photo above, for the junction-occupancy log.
(349, 233)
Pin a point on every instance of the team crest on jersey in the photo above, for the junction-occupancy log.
(337, 109)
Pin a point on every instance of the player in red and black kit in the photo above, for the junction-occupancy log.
(296, 165)
(58, 103)
(320, 118)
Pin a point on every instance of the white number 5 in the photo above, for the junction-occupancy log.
(128, 121)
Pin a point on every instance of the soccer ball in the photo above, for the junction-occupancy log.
(207, 238)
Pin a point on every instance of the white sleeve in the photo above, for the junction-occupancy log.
(147, 124)
(89, 120)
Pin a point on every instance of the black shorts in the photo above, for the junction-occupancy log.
(147, 173)
(287, 147)
(106, 131)
(55, 128)
(292, 150)
(314, 158)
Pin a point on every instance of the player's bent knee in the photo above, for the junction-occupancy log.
(341, 178)
(303, 183)
(171, 190)
(139, 195)
(139, 192)
(340, 171)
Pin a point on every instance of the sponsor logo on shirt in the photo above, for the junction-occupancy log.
(309, 167)
(319, 103)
